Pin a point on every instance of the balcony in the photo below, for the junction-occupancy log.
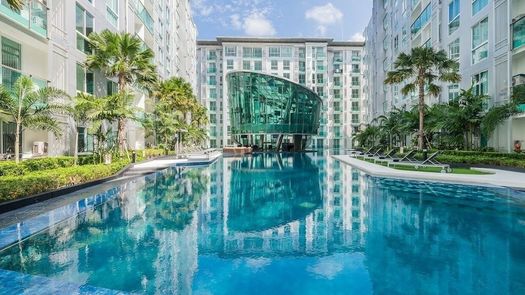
(142, 13)
(33, 16)
(518, 33)
(8, 77)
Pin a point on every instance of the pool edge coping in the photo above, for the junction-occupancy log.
(381, 171)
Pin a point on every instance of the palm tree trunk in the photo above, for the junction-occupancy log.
(17, 143)
(121, 121)
(75, 155)
(421, 108)
(121, 127)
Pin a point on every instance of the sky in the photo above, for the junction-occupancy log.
(343, 20)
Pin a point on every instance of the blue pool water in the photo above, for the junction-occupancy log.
(273, 224)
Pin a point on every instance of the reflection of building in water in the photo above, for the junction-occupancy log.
(442, 239)
(300, 225)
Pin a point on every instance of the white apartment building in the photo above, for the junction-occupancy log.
(486, 37)
(47, 40)
(332, 69)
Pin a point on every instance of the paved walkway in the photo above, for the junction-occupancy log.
(498, 178)
(154, 165)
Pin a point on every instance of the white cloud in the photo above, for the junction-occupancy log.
(358, 37)
(324, 15)
(202, 8)
(235, 21)
(256, 24)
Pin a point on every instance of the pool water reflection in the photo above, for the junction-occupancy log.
(286, 224)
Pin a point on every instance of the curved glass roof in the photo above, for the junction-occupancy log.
(266, 104)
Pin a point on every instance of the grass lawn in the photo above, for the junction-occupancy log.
(424, 169)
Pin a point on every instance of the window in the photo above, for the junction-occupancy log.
(257, 65)
(481, 83)
(337, 81)
(213, 119)
(453, 91)
(212, 67)
(478, 5)
(112, 12)
(286, 51)
(338, 56)
(111, 87)
(11, 55)
(355, 81)
(355, 106)
(248, 52)
(275, 65)
(396, 42)
(337, 94)
(355, 68)
(302, 53)
(318, 52)
(302, 79)
(356, 55)
(320, 65)
(480, 37)
(453, 50)
(229, 64)
(84, 26)
(275, 52)
(212, 55)
(212, 80)
(302, 66)
(85, 80)
(337, 106)
(286, 65)
(453, 16)
(422, 20)
(230, 51)
(246, 65)
(213, 106)
(320, 78)
(213, 93)
(320, 91)
(337, 119)
(355, 93)
(355, 118)
(286, 75)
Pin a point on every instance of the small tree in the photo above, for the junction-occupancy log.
(123, 56)
(83, 112)
(419, 70)
(31, 108)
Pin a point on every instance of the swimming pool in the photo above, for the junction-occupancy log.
(273, 224)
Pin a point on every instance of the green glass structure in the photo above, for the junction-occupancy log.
(265, 110)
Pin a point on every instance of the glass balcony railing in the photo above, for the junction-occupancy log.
(518, 33)
(143, 14)
(33, 16)
(8, 77)
(521, 108)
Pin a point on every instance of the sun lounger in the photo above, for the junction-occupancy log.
(428, 162)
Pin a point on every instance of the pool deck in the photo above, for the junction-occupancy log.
(510, 179)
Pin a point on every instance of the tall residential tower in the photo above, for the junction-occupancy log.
(331, 69)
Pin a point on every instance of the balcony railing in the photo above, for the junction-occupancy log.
(8, 77)
(33, 16)
(518, 33)
(143, 14)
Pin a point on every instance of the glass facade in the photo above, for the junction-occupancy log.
(264, 104)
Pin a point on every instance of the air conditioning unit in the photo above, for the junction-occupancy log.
(39, 148)
(518, 79)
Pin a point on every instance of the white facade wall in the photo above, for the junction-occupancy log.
(216, 58)
(166, 26)
(389, 33)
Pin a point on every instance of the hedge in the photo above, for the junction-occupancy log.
(13, 187)
(479, 158)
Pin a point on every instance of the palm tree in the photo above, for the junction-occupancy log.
(419, 70)
(16, 5)
(29, 107)
(126, 58)
(82, 111)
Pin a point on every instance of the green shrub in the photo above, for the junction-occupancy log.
(13, 187)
